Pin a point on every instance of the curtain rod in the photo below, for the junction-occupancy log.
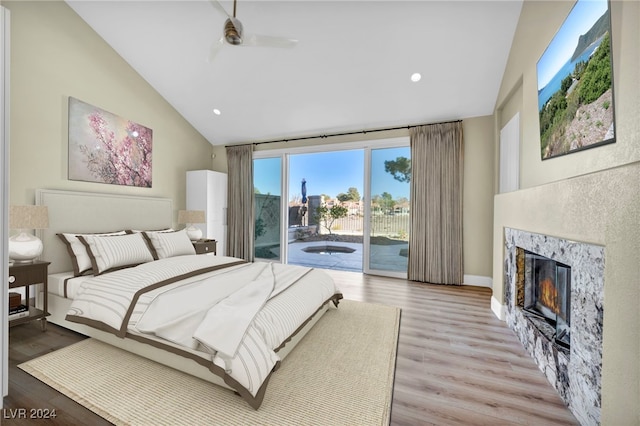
(355, 132)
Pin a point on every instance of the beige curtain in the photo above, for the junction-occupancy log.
(435, 246)
(240, 223)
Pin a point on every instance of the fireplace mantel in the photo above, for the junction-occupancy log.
(575, 375)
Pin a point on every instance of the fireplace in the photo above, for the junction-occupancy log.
(574, 298)
(547, 294)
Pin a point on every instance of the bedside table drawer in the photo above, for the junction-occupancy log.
(205, 247)
(27, 275)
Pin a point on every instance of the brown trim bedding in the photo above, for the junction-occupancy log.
(253, 401)
(255, 389)
(122, 332)
(335, 299)
(66, 282)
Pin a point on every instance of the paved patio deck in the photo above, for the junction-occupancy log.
(386, 257)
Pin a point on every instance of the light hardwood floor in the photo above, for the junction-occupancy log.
(457, 363)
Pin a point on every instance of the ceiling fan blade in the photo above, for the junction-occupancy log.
(233, 34)
(269, 41)
(219, 8)
(216, 46)
(234, 21)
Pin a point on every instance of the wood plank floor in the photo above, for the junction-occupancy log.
(457, 363)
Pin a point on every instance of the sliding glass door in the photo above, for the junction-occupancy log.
(343, 206)
(387, 216)
(267, 204)
(325, 209)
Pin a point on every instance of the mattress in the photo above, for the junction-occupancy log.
(64, 284)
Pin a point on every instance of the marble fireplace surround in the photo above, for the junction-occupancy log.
(576, 374)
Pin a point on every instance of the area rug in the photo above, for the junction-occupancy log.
(341, 373)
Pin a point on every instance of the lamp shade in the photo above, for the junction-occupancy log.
(191, 216)
(25, 247)
(28, 217)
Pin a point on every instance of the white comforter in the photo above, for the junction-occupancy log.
(238, 313)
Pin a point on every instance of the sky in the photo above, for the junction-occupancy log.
(331, 173)
(581, 18)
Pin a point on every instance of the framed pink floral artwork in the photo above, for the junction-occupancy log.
(106, 148)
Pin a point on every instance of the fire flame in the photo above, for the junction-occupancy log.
(549, 295)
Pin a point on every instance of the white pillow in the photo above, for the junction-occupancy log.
(78, 251)
(169, 244)
(155, 230)
(108, 253)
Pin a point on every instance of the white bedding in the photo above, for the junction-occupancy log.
(64, 284)
(206, 312)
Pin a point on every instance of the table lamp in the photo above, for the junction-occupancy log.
(189, 217)
(25, 247)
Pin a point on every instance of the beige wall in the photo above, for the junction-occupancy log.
(591, 196)
(538, 23)
(478, 187)
(54, 55)
(601, 208)
(478, 192)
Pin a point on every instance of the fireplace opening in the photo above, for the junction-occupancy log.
(547, 294)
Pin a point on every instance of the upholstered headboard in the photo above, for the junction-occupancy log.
(84, 212)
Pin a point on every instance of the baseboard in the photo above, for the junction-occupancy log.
(498, 308)
(478, 280)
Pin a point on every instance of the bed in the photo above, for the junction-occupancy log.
(219, 318)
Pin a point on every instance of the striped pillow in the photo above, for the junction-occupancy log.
(80, 259)
(109, 253)
(169, 244)
(131, 231)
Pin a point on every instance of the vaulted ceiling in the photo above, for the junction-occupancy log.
(349, 71)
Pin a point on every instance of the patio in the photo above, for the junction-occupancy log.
(388, 257)
(388, 246)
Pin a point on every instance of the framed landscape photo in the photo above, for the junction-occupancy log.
(575, 83)
(106, 148)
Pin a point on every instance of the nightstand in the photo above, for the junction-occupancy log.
(205, 246)
(25, 275)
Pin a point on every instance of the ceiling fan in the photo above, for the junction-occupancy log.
(234, 35)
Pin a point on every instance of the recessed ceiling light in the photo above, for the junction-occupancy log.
(216, 111)
(415, 77)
